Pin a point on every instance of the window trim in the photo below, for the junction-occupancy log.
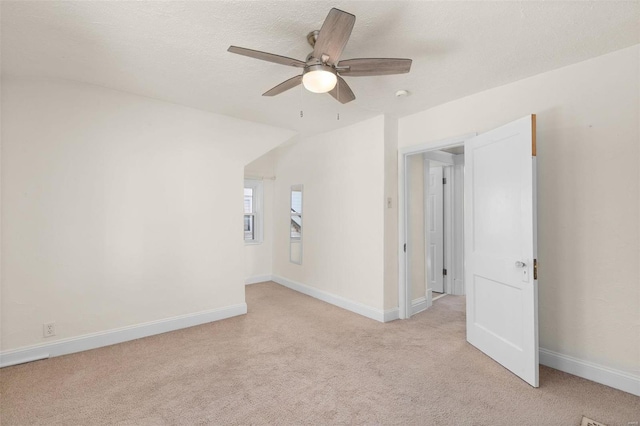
(258, 209)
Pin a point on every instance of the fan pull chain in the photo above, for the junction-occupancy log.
(338, 113)
(301, 106)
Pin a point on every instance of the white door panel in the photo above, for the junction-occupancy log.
(500, 226)
(435, 230)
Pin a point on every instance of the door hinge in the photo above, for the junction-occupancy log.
(535, 269)
(444, 181)
(405, 247)
(444, 272)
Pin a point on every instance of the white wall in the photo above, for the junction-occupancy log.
(343, 212)
(258, 258)
(117, 209)
(390, 213)
(588, 117)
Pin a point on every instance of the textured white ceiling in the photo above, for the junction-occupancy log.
(176, 51)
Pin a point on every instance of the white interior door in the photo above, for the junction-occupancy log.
(500, 246)
(435, 230)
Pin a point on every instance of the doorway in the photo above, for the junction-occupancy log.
(434, 221)
(444, 220)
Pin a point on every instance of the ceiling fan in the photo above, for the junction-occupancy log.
(322, 71)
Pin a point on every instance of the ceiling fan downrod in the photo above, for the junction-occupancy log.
(312, 37)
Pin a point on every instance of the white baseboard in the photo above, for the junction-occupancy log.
(418, 305)
(458, 287)
(257, 279)
(391, 314)
(590, 371)
(119, 335)
(350, 305)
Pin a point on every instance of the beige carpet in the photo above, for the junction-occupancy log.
(296, 360)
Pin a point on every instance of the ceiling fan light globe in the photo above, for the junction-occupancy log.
(319, 80)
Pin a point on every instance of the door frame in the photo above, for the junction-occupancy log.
(404, 292)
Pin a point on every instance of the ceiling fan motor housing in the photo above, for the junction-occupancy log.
(318, 67)
(319, 78)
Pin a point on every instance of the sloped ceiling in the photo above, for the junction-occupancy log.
(176, 51)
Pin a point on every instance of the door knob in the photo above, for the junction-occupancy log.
(520, 264)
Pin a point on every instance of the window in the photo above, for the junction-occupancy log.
(295, 231)
(252, 211)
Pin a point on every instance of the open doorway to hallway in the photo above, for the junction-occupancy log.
(435, 216)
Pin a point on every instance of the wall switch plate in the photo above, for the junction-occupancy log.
(49, 329)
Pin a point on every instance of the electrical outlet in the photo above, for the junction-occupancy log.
(49, 329)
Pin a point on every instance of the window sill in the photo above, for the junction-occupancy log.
(252, 243)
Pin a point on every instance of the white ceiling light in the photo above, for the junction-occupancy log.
(319, 78)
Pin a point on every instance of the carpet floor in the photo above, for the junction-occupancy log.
(295, 360)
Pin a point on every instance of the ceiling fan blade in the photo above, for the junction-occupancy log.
(334, 35)
(374, 66)
(270, 57)
(342, 92)
(284, 86)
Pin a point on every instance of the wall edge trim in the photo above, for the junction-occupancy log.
(255, 279)
(339, 301)
(418, 305)
(588, 370)
(391, 314)
(118, 335)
